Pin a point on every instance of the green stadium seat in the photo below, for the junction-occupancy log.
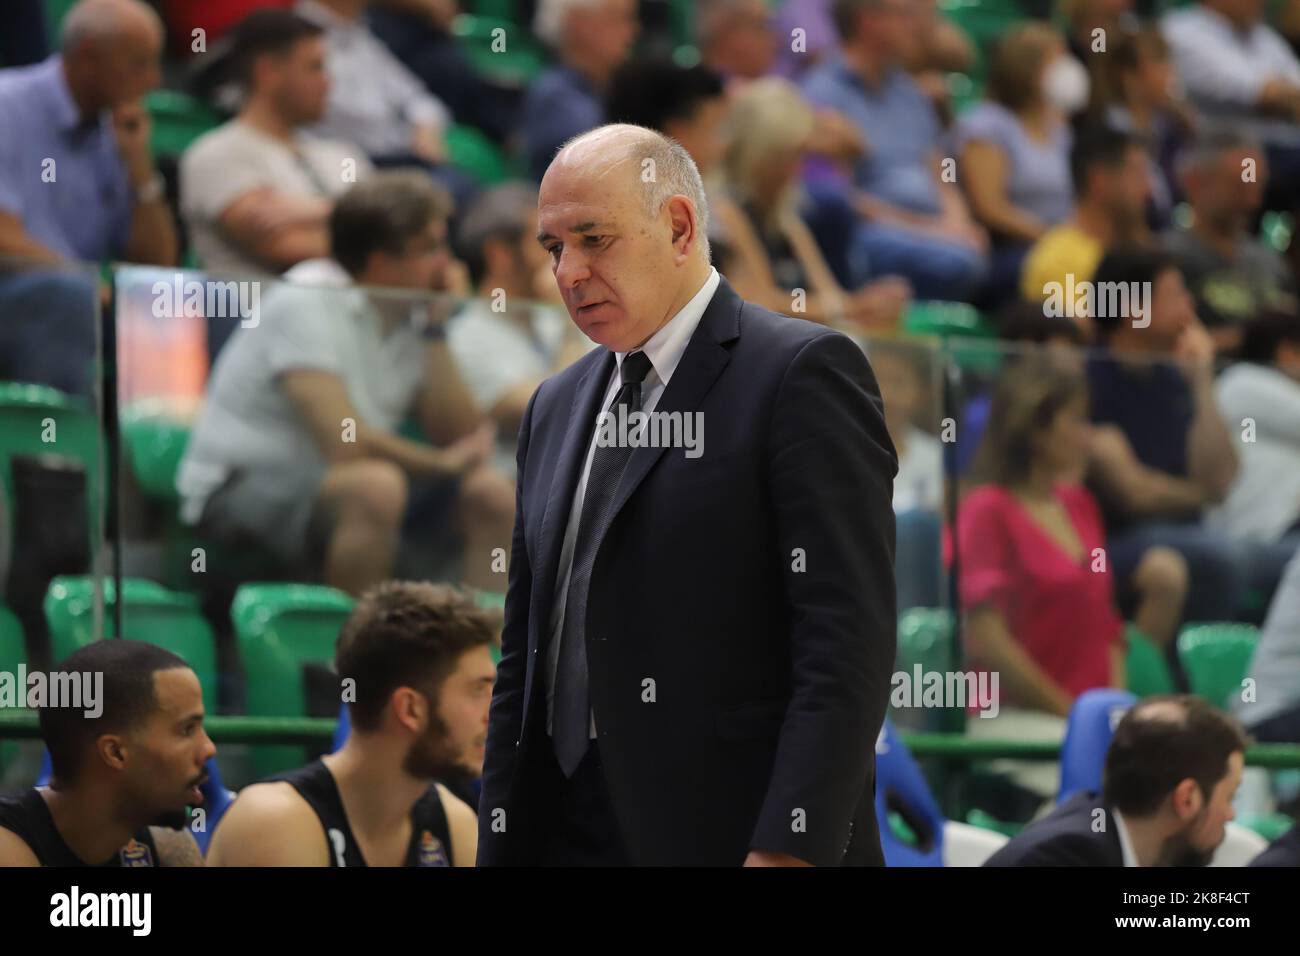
(471, 152)
(1145, 667)
(178, 120)
(947, 320)
(279, 629)
(517, 65)
(150, 613)
(1215, 657)
(13, 651)
(925, 638)
(55, 11)
(154, 444)
(24, 409)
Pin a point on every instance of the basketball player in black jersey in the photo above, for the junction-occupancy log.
(122, 779)
(419, 657)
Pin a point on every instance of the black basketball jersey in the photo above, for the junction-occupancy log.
(27, 815)
(430, 834)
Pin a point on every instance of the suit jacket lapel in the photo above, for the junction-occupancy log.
(559, 502)
(704, 359)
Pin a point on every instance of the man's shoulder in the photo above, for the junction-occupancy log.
(1080, 830)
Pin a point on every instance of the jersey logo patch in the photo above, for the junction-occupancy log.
(135, 853)
(432, 852)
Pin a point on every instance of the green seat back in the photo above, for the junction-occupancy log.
(516, 65)
(280, 628)
(178, 120)
(154, 444)
(150, 613)
(1215, 658)
(1145, 667)
(473, 153)
(925, 638)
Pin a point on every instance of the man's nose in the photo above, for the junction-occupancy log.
(571, 269)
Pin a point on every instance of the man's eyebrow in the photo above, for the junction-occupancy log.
(587, 226)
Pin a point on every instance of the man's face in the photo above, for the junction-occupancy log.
(615, 265)
(455, 739)
(604, 32)
(1224, 195)
(891, 27)
(752, 40)
(422, 265)
(299, 81)
(1127, 188)
(127, 66)
(167, 752)
(1195, 843)
(702, 135)
(1173, 309)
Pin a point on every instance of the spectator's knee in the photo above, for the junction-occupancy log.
(488, 497)
(1162, 572)
(371, 488)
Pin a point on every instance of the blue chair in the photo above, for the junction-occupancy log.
(216, 798)
(342, 730)
(901, 789)
(1088, 733)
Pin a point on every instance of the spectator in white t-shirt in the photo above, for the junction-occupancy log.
(256, 192)
(1259, 399)
(297, 451)
(507, 341)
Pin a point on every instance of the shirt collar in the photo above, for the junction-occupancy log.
(1125, 843)
(666, 347)
(64, 110)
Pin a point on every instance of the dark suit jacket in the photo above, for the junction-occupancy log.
(1065, 837)
(1284, 851)
(770, 683)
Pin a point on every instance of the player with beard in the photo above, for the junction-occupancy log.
(124, 766)
(1171, 772)
(421, 673)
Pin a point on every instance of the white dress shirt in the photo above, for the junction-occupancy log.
(664, 349)
(1125, 843)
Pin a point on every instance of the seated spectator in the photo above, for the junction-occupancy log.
(1273, 715)
(1034, 580)
(418, 656)
(419, 34)
(376, 102)
(908, 383)
(77, 182)
(1171, 772)
(256, 192)
(775, 259)
(820, 37)
(120, 778)
(736, 38)
(1091, 27)
(1161, 452)
(915, 221)
(1109, 171)
(939, 49)
(507, 342)
(268, 464)
(590, 40)
(1014, 148)
(1260, 399)
(1237, 69)
(1232, 275)
(1135, 92)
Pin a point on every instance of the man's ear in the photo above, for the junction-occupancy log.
(111, 751)
(1187, 799)
(682, 219)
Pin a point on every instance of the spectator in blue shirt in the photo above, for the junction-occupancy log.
(77, 182)
(590, 40)
(1161, 450)
(915, 220)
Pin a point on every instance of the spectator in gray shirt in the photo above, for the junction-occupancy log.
(1274, 715)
